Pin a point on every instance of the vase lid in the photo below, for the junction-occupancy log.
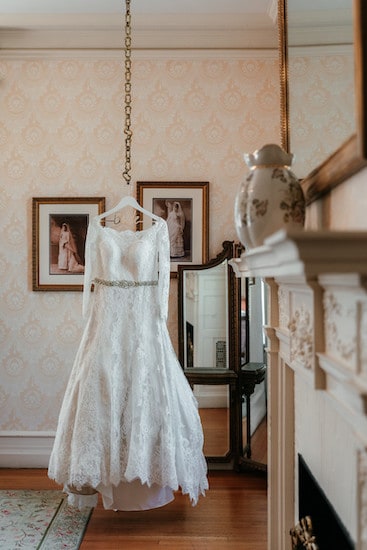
(269, 155)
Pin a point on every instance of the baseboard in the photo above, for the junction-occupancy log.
(211, 397)
(25, 450)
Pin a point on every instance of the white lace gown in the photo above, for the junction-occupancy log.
(129, 427)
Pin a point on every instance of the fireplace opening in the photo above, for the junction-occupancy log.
(328, 529)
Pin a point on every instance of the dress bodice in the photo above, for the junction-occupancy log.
(125, 257)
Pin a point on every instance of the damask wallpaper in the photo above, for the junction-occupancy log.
(322, 104)
(194, 114)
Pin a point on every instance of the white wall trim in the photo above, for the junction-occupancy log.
(320, 27)
(22, 54)
(148, 31)
(316, 51)
(25, 449)
(211, 397)
(147, 39)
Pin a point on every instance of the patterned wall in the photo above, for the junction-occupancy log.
(322, 103)
(194, 115)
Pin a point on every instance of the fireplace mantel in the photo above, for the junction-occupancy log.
(317, 364)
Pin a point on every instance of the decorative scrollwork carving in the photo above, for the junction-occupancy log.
(302, 535)
(302, 347)
(283, 307)
(335, 317)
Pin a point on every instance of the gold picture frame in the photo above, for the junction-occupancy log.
(185, 207)
(59, 228)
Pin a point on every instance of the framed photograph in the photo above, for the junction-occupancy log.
(59, 230)
(185, 207)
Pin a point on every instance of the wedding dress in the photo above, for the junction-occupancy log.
(129, 426)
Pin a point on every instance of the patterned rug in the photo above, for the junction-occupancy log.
(40, 520)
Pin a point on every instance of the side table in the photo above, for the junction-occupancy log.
(250, 375)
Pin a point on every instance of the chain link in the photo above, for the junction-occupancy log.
(127, 131)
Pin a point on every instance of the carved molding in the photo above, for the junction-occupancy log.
(324, 275)
(301, 330)
(283, 304)
(337, 315)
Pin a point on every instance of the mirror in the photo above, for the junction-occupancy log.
(308, 41)
(205, 330)
(321, 80)
(221, 349)
(253, 376)
(208, 294)
(209, 348)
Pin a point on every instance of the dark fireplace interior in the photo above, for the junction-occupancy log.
(328, 529)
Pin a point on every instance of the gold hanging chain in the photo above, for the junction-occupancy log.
(127, 131)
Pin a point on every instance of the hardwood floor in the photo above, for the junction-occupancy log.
(232, 516)
(215, 424)
(216, 434)
(258, 441)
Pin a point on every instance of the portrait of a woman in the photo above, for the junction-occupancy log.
(176, 226)
(178, 215)
(67, 234)
(68, 258)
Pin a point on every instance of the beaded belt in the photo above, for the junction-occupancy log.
(124, 284)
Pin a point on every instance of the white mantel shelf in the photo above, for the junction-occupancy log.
(307, 253)
(317, 371)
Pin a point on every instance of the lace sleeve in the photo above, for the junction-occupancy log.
(164, 269)
(90, 259)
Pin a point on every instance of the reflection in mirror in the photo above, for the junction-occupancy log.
(320, 80)
(206, 321)
(208, 310)
(214, 412)
(253, 377)
(209, 348)
(244, 320)
(222, 352)
(320, 178)
(217, 394)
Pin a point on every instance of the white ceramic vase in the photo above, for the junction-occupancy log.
(270, 198)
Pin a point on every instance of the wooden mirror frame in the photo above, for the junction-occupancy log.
(212, 375)
(351, 156)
